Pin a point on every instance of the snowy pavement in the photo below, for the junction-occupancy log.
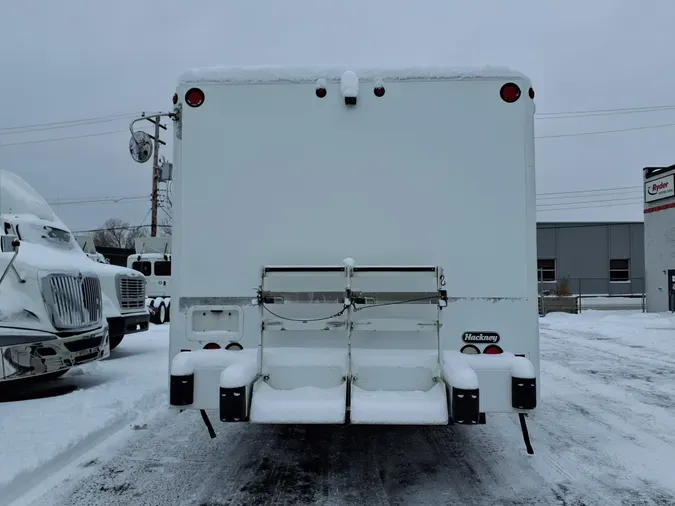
(604, 435)
(89, 404)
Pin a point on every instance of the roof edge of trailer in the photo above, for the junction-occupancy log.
(264, 74)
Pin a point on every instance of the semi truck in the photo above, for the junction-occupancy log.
(372, 255)
(153, 260)
(51, 303)
(123, 289)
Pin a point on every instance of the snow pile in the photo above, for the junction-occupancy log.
(349, 84)
(38, 436)
(239, 374)
(400, 406)
(186, 362)
(291, 74)
(299, 405)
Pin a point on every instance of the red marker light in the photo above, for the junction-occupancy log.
(194, 97)
(510, 92)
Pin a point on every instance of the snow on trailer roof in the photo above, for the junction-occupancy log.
(295, 74)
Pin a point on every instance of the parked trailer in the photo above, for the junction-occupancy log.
(372, 254)
(153, 260)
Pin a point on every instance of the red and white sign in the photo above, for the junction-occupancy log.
(661, 188)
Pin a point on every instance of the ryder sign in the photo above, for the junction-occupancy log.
(661, 188)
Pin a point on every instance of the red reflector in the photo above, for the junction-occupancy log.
(194, 97)
(212, 346)
(492, 349)
(510, 92)
(321, 92)
(379, 91)
(175, 98)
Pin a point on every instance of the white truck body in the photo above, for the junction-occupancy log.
(361, 243)
(123, 289)
(153, 260)
(51, 305)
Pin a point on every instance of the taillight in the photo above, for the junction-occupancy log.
(212, 346)
(321, 92)
(379, 91)
(470, 349)
(194, 97)
(492, 349)
(234, 346)
(510, 92)
(175, 98)
(530, 92)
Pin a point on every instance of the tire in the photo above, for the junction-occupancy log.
(162, 313)
(115, 341)
(168, 312)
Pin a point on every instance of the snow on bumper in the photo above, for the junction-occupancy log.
(29, 355)
(475, 385)
(488, 383)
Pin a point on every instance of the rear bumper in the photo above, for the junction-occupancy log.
(129, 324)
(35, 355)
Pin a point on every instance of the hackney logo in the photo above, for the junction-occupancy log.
(480, 337)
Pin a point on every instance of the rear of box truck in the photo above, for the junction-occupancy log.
(420, 167)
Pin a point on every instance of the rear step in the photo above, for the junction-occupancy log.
(361, 380)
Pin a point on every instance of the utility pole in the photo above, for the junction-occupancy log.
(155, 174)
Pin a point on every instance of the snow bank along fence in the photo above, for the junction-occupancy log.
(573, 295)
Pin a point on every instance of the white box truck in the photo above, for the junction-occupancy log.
(123, 289)
(372, 245)
(51, 303)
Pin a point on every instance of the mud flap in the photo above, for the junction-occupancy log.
(464, 406)
(234, 404)
(524, 393)
(181, 390)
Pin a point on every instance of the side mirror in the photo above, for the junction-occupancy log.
(9, 243)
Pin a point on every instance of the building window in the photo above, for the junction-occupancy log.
(546, 269)
(619, 269)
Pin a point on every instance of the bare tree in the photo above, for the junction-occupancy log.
(164, 226)
(116, 233)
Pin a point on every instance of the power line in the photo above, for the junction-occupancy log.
(99, 200)
(623, 110)
(57, 124)
(4, 144)
(581, 134)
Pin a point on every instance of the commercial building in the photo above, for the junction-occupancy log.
(659, 231)
(593, 258)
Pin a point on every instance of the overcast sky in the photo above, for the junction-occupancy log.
(79, 59)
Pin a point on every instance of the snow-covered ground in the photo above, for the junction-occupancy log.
(605, 434)
(39, 436)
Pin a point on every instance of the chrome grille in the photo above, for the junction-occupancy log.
(74, 301)
(131, 292)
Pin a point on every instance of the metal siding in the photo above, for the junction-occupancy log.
(583, 255)
(659, 251)
(546, 243)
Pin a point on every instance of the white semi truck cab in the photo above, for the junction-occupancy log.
(123, 290)
(51, 304)
(153, 260)
(372, 255)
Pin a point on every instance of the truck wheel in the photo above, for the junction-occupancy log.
(162, 313)
(115, 341)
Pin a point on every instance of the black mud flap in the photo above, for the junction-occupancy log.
(524, 393)
(233, 404)
(181, 390)
(464, 406)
